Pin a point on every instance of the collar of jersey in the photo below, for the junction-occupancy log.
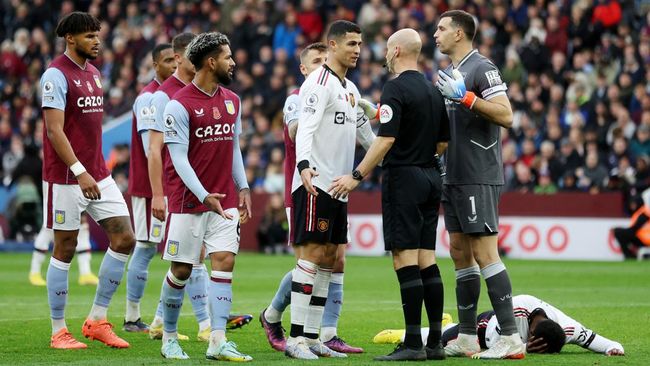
(74, 62)
(473, 51)
(327, 68)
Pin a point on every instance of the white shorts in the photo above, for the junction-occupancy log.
(146, 227)
(289, 219)
(66, 202)
(187, 233)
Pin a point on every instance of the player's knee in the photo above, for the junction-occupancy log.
(339, 264)
(124, 243)
(222, 261)
(182, 271)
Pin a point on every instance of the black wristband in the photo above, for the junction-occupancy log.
(302, 165)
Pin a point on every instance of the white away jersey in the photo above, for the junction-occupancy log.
(327, 127)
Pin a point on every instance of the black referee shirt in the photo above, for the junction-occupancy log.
(413, 111)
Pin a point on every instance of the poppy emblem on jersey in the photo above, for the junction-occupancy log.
(230, 107)
(156, 230)
(215, 113)
(59, 216)
(385, 113)
(77, 83)
(90, 86)
(97, 81)
(323, 225)
(172, 247)
(352, 101)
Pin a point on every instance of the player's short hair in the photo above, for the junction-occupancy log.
(318, 46)
(205, 45)
(76, 23)
(339, 29)
(155, 53)
(462, 20)
(552, 333)
(180, 42)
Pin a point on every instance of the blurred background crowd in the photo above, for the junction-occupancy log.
(578, 75)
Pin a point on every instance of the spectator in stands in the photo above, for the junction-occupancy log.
(592, 174)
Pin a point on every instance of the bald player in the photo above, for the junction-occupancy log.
(414, 128)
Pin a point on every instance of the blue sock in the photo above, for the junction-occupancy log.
(138, 272)
(172, 294)
(282, 297)
(57, 287)
(334, 301)
(220, 299)
(110, 276)
(197, 291)
(159, 308)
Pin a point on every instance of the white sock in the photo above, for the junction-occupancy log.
(132, 311)
(157, 321)
(169, 335)
(98, 312)
(84, 263)
(204, 325)
(57, 325)
(217, 337)
(271, 315)
(37, 262)
(327, 333)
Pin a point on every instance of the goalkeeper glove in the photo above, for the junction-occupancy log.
(453, 88)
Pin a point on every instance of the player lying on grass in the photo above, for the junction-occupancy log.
(543, 327)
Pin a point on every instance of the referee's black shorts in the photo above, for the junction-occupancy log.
(319, 219)
(410, 201)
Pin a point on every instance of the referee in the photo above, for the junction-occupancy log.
(413, 128)
(478, 107)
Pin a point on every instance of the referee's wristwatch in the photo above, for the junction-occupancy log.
(356, 175)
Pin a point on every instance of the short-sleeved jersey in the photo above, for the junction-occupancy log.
(474, 153)
(413, 112)
(208, 124)
(327, 127)
(142, 121)
(76, 90)
(291, 112)
(159, 101)
(523, 306)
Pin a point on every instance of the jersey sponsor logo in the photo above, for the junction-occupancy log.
(230, 107)
(312, 100)
(323, 225)
(215, 130)
(89, 86)
(352, 101)
(92, 101)
(339, 118)
(493, 77)
(59, 216)
(385, 113)
(169, 121)
(215, 113)
(77, 83)
(172, 247)
(199, 112)
(97, 81)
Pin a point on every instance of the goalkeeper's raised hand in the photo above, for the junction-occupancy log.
(453, 88)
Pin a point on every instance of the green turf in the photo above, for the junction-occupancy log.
(611, 298)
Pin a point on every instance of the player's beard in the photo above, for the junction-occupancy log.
(85, 55)
(223, 77)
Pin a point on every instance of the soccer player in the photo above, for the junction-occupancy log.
(478, 107)
(77, 179)
(311, 58)
(202, 127)
(543, 327)
(160, 169)
(414, 127)
(325, 143)
(82, 252)
(149, 230)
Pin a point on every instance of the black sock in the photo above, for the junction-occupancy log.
(500, 292)
(433, 301)
(468, 289)
(411, 290)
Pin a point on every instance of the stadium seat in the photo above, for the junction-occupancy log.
(641, 254)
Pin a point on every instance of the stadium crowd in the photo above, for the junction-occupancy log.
(578, 75)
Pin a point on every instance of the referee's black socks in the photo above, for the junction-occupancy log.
(412, 292)
(433, 301)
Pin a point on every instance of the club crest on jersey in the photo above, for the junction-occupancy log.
(352, 101)
(230, 107)
(97, 81)
(59, 216)
(156, 230)
(77, 83)
(323, 225)
(215, 113)
(172, 247)
(90, 86)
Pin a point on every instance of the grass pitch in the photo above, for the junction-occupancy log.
(613, 299)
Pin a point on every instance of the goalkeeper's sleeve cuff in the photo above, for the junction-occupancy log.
(468, 100)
